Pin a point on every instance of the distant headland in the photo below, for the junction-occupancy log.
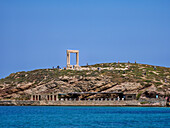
(105, 84)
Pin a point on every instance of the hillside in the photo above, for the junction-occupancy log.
(141, 79)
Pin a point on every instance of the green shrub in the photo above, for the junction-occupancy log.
(148, 85)
(142, 83)
(158, 83)
(138, 96)
(159, 89)
(147, 80)
(13, 85)
(144, 102)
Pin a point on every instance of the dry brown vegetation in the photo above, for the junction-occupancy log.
(123, 77)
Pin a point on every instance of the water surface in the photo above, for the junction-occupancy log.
(83, 117)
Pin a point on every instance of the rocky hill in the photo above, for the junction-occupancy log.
(141, 79)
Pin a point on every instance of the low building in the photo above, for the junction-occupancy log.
(130, 95)
(47, 97)
(83, 96)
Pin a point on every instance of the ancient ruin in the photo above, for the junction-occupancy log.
(68, 59)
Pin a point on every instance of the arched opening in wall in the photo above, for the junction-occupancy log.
(55, 97)
(48, 97)
(36, 97)
(51, 97)
(33, 97)
(39, 97)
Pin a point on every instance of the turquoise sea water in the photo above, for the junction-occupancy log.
(83, 117)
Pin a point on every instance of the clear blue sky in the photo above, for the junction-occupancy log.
(35, 34)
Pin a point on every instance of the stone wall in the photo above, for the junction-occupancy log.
(79, 103)
(18, 103)
(90, 103)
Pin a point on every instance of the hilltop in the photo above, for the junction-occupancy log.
(141, 79)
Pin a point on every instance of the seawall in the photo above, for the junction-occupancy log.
(83, 103)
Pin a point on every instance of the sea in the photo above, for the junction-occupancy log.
(83, 117)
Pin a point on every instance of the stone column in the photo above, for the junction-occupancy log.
(57, 97)
(31, 97)
(77, 58)
(68, 58)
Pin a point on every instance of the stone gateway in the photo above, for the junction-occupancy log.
(68, 59)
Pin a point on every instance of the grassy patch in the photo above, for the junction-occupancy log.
(138, 96)
(157, 83)
(144, 102)
(147, 80)
(148, 85)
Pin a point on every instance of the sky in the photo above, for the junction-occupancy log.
(35, 34)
